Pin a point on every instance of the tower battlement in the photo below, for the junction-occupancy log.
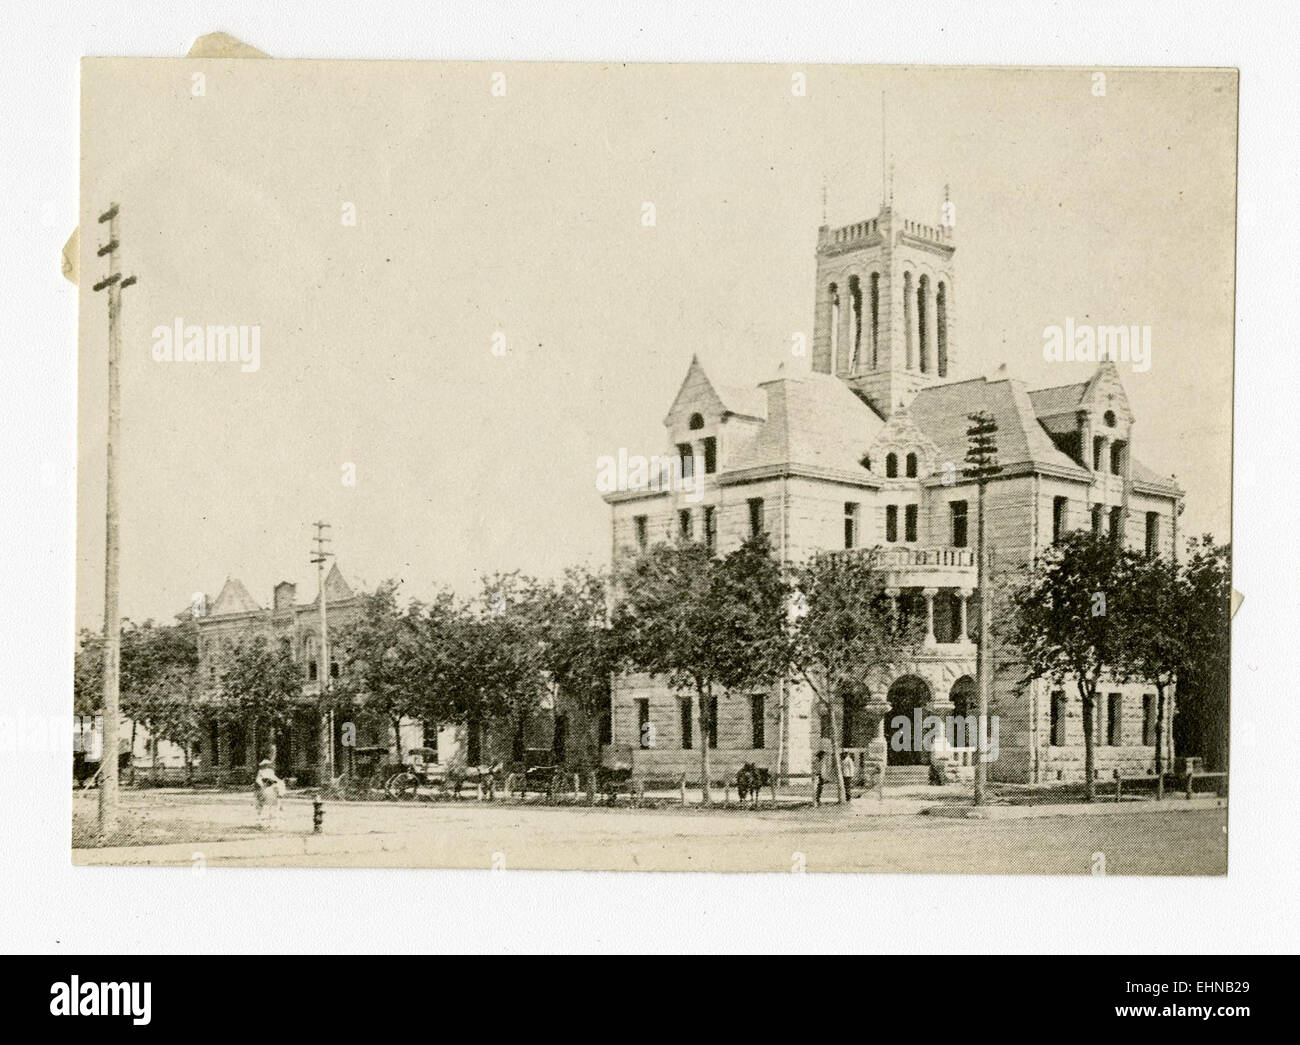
(884, 301)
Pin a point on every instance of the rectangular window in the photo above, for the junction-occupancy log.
(1116, 523)
(711, 720)
(687, 721)
(959, 521)
(1148, 719)
(755, 516)
(687, 457)
(710, 527)
(909, 522)
(891, 522)
(1058, 518)
(640, 523)
(1153, 534)
(645, 733)
(311, 664)
(1097, 443)
(1116, 458)
(1096, 518)
(684, 525)
(850, 524)
(1058, 718)
(1115, 720)
(710, 455)
(757, 722)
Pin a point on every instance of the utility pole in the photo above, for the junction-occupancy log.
(114, 284)
(981, 464)
(325, 766)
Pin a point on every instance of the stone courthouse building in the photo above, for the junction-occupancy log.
(867, 450)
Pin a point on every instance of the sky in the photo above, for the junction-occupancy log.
(521, 214)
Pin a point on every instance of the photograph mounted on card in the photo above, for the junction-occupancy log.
(653, 467)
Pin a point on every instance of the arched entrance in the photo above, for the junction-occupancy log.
(905, 696)
(962, 730)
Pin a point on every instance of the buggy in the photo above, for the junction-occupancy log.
(539, 771)
(421, 768)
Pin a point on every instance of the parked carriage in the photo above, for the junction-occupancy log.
(538, 771)
(421, 769)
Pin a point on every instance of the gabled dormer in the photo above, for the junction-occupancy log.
(1090, 421)
(902, 451)
(709, 421)
(234, 598)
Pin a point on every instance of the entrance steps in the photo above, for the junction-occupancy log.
(907, 776)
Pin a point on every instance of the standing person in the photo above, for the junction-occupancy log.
(819, 771)
(847, 768)
(267, 790)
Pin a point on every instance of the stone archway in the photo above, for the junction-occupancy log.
(962, 731)
(964, 696)
(907, 694)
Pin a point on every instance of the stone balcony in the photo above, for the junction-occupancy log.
(906, 566)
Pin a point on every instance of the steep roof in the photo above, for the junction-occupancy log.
(1104, 388)
(234, 598)
(1163, 483)
(336, 588)
(698, 392)
(815, 422)
(941, 412)
(1058, 399)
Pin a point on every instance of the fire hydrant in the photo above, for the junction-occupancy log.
(317, 815)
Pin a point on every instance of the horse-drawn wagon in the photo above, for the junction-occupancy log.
(421, 769)
(538, 771)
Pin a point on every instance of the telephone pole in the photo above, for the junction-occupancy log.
(981, 465)
(325, 766)
(114, 284)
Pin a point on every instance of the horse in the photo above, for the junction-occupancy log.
(750, 779)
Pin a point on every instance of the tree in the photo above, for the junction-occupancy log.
(260, 687)
(845, 627)
(481, 663)
(1071, 617)
(158, 662)
(508, 669)
(176, 716)
(701, 622)
(1204, 677)
(381, 675)
(578, 653)
(1157, 637)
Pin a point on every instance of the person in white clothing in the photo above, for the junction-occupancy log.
(268, 789)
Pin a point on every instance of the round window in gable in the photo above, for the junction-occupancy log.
(1109, 418)
(697, 421)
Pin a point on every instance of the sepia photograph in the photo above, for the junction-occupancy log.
(497, 478)
(676, 467)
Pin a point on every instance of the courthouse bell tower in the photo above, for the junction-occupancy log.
(885, 306)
